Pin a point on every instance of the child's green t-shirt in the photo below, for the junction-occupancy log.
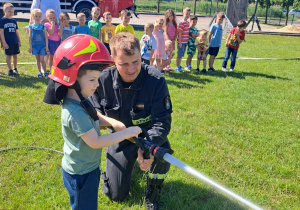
(95, 26)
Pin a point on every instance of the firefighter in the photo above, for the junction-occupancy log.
(135, 94)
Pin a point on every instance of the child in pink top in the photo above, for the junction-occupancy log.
(53, 36)
(159, 37)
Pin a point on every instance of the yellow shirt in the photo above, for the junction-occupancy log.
(121, 28)
(108, 32)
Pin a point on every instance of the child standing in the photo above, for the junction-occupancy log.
(82, 28)
(124, 26)
(94, 24)
(53, 37)
(108, 30)
(170, 28)
(159, 52)
(193, 33)
(65, 30)
(148, 44)
(83, 142)
(10, 38)
(215, 38)
(235, 38)
(183, 37)
(38, 41)
(202, 46)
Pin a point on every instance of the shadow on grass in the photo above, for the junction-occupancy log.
(193, 77)
(242, 75)
(22, 81)
(178, 195)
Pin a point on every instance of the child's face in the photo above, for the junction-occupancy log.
(51, 17)
(89, 83)
(168, 47)
(193, 23)
(219, 20)
(37, 17)
(203, 36)
(171, 17)
(64, 20)
(125, 20)
(9, 12)
(95, 14)
(160, 23)
(108, 18)
(186, 15)
(81, 20)
(148, 31)
(240, 28)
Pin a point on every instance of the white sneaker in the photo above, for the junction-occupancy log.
(231, 70)
(224, 69)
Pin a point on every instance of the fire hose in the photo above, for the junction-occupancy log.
(164, 154)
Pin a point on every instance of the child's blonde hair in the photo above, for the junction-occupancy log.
(35, 11)
(221, 15)
(159, 19)
(125, 12)
(203, 33)
(149, 25)
(168, 42)
(167, 20)
(186, 9)
(50, 11)
(106, 14)
(95, 9)
(79, 15)
(7, 5)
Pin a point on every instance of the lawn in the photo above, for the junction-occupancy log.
(240, 129)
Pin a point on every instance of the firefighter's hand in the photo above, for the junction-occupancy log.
(144, 163)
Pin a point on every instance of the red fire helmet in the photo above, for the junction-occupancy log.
(73, 53)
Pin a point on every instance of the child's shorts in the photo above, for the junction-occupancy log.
(191, 50)
(39, 50)
(53, 45)
(82, 189)
(181, 51)
(13, 49)
(108, 48)
(213, 51)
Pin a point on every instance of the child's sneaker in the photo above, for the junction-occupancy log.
(224, 69)
(197, 70)
(46, 74)
(10, 73)
(15, 72)
(187, 69)
(203, 71)
(40, 75)
(231, 70)
(178, 69)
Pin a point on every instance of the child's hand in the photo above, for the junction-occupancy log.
(30, 50)
(180, 45)
(132, 132)
(46, 49)
(5, 46)
(52, 23)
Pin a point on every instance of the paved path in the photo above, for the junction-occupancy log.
(138, 23)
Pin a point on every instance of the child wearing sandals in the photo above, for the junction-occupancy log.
(159, 37)
(170, 30)
(53, 36)
(38, 41)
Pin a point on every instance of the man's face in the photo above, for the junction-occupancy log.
(9, 12)
(129, 66)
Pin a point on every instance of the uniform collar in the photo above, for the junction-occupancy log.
(136, 85)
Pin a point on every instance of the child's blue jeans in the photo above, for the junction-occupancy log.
(233, 53)
(82, 189)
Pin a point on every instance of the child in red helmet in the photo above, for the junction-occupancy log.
(76, 67)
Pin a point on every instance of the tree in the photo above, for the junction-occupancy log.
(265, 4)
(287, 4)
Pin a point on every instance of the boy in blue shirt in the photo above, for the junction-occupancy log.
(74, 78)
(215, 38)
(82, 28)
(10, 38)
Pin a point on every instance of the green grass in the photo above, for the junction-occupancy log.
(241, 129)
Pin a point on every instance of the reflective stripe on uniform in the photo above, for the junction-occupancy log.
(157, 176)
(141, 121)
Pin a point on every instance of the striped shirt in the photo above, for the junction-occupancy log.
(183, 28)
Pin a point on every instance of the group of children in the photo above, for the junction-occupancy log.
(157, 44)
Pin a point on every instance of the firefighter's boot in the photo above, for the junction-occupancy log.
(152, 193)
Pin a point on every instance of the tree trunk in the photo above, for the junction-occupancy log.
(266, 19)
(286, 15)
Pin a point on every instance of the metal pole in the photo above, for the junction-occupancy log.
(169, 158)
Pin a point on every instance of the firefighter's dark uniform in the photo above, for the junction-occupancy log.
(145, 103)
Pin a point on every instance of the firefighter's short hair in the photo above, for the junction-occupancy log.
(125, 42)
(8, 5)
